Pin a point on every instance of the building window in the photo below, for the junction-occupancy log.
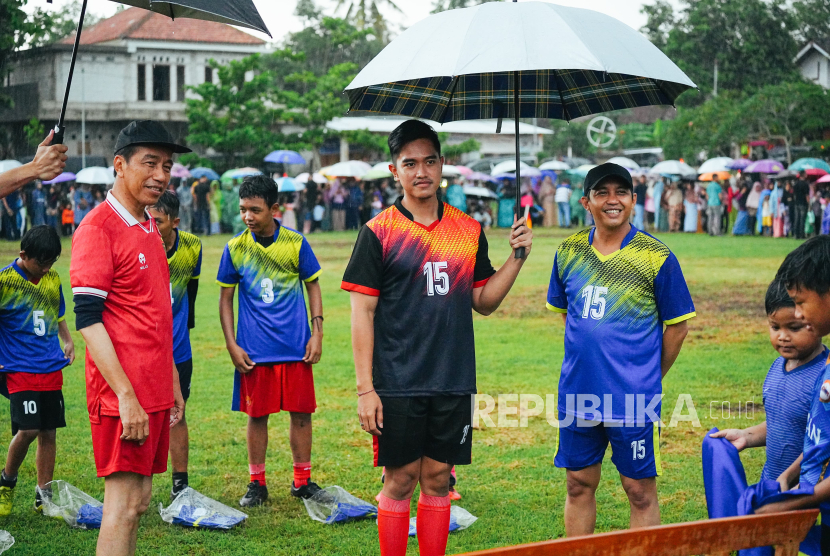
(142, 82)
(161, 83)
(208, 74)
(180, 83)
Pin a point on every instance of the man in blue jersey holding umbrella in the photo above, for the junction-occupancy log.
(617, 287)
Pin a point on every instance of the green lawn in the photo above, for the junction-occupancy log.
(512, 486)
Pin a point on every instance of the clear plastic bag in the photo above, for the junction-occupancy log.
(334, 505)
(6, 541)
(193, 509)
(460, 519)
(71, 504)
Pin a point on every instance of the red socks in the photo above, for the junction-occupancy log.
(393, 526)
(302, 473)
(257, 473)
(433, 524)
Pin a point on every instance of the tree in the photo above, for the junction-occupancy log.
(660, 22)
(34, 132)
(13, 25)
(235, 117)
(812, 19)
(789, 111)
(712, 128)
(49, 26)
(751, 41)
(444, 5)
(367, 14)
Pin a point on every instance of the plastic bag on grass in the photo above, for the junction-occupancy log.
(6, 541)
(193, 509)
(460, 519)
(71, 504)
(334, 505)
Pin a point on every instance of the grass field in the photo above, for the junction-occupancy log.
(512, 486)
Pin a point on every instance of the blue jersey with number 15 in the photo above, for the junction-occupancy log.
(273, 323)
(617, 305)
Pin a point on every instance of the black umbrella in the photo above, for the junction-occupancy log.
(233, 12)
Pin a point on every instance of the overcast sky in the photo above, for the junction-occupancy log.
(279, 14)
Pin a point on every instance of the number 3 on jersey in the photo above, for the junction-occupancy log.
(267, 290)
(438, 281)
(594, 302)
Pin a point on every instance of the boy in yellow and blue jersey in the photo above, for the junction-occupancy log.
(273, 347)
(184, 259)
(31, 321)
(617, 287)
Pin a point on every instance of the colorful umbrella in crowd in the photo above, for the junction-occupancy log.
(61, 178)
(740, 164)
(239, 12)
(815, 172)
(766, 166)
(718, 164)
(464, 170)
(809, 164)
(179, 171)
(208, 173)
(497, 60)
(625, 162)
(379, 171)
(555, 165)
(6, 165)
(289, 185)
(824, 179)
(479, 192)
(450, 171)
(315, 177)
(285, 157)
(348, 169)
(673, 168)
(712, 176)
(481, 176)
(95, 175)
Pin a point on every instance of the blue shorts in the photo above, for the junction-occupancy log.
(635, 450)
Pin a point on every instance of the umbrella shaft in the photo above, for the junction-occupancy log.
(520, 252)
(60, 126)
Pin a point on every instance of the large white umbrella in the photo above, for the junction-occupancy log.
(6, 165)
(509, 166)
(379, 171)
(348, 169)
(497, 60)
(719, 164)
(625, 162)
(95, 175)
(480, 192)
(673, 167)
(555, 165)
(315, 177)
(450, 171)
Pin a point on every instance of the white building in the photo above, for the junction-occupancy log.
(134, 65)
(814, 62)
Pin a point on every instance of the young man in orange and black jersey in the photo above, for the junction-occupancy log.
(417, 272)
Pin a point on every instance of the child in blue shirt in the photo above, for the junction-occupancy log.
(787, 388)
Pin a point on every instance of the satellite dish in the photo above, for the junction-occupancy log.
(602, 131)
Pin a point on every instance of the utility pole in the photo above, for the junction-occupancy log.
(83, 117)
(715, 93)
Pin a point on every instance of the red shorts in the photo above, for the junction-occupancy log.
(113, 455)
(270, 389)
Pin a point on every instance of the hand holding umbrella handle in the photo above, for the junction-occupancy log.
(519, 253)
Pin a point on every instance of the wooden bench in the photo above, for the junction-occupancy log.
(713, 537)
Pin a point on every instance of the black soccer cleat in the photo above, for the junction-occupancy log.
(306, 491)
(256, 496)
(40, 495)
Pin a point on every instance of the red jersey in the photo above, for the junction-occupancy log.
(123, 261)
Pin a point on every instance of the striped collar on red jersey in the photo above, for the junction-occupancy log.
(125, 215)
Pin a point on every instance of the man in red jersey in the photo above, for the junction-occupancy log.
(123, 309)
(418, 271)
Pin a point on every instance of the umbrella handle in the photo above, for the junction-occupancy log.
(57, 139)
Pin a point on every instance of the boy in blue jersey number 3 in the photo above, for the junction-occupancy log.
(184, 258)
(31, 320)
(273, 349)
(616, 287)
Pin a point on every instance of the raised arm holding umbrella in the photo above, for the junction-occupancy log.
(49, 162)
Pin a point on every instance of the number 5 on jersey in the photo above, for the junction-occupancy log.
(594, 302)
(438, 281)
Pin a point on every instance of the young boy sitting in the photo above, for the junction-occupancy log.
(787, 388)
(806, 275)
(31, 358)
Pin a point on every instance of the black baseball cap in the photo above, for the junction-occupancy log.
(604, 171)
(147, 132)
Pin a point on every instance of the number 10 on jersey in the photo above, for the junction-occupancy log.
(438, 281)
(594, 297)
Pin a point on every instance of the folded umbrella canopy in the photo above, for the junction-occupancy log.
(233, 12)
(498, 60)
